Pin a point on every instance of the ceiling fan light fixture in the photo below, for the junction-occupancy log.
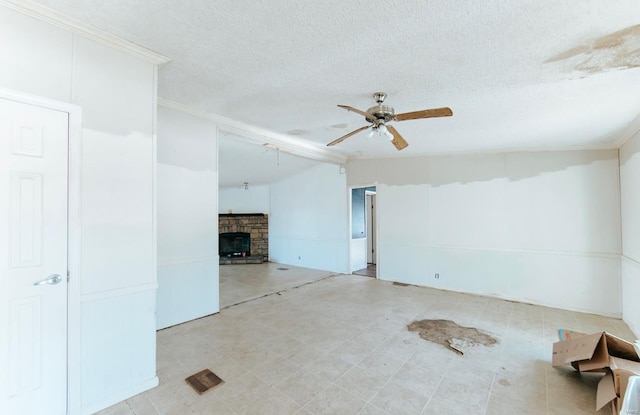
(383, 131)
(378, 115)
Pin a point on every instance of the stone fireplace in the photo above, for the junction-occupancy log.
(232, 225)
(234, 244)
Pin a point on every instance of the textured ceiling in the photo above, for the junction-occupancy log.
(518, 74)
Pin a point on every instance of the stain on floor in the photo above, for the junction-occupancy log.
(451, 335)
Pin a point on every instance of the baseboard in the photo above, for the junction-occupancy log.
(119, 396)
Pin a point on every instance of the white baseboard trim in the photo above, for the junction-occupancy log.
(120, 396)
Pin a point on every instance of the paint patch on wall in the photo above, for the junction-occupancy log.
(615, 51)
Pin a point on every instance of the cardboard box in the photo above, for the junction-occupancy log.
(591, 352)
(600, 352)
(613, 385)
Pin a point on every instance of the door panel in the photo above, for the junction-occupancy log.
(33, 246)
(26, 220)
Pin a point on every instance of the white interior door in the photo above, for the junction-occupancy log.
(33, 248)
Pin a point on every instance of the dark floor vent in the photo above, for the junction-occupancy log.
(203, 381)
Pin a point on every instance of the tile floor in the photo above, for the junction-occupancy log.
(239, 283)
(340, 346)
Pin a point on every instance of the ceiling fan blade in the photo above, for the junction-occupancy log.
(397, 141)
(344, 137)
(366, 115)
(432, 113)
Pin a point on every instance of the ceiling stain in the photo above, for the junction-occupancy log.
(298, 132)
(615, 51)
(343, 125)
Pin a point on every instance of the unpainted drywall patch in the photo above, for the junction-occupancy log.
(618, 50)
(451, 335)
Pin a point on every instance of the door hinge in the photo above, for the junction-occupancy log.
(68, 273)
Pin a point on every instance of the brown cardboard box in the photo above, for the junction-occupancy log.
(600, 352)
(591, 352)
(613, 385)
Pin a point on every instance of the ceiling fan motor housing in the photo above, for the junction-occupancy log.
(383, 113)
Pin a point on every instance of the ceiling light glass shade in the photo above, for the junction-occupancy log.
(371, 133)
(385, 132)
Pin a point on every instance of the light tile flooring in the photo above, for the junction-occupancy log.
(239, 283)
(340, 346)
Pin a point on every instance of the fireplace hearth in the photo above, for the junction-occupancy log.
(234, 244)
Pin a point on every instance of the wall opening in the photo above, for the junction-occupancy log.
(363, 231)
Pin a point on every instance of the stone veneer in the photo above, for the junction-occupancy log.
(256, 224)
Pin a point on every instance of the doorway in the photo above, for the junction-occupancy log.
(364, 231)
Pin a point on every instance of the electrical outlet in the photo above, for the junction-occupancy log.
(437, 276)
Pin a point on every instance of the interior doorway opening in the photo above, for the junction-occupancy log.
(364, 231)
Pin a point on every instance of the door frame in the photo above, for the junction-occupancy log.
(371, 223)
(74, 321)
(349, 225)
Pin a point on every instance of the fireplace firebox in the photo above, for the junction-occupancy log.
(234, 244)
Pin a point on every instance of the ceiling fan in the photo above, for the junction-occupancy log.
(379, 115)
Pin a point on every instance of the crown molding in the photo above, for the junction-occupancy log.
(76, 26)
(261, 136)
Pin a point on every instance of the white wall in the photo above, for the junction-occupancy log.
(358, 254)
(630, 197)
(117, 94)
(539, 227)
(237, 200)
(308, 224)
(187, 218)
